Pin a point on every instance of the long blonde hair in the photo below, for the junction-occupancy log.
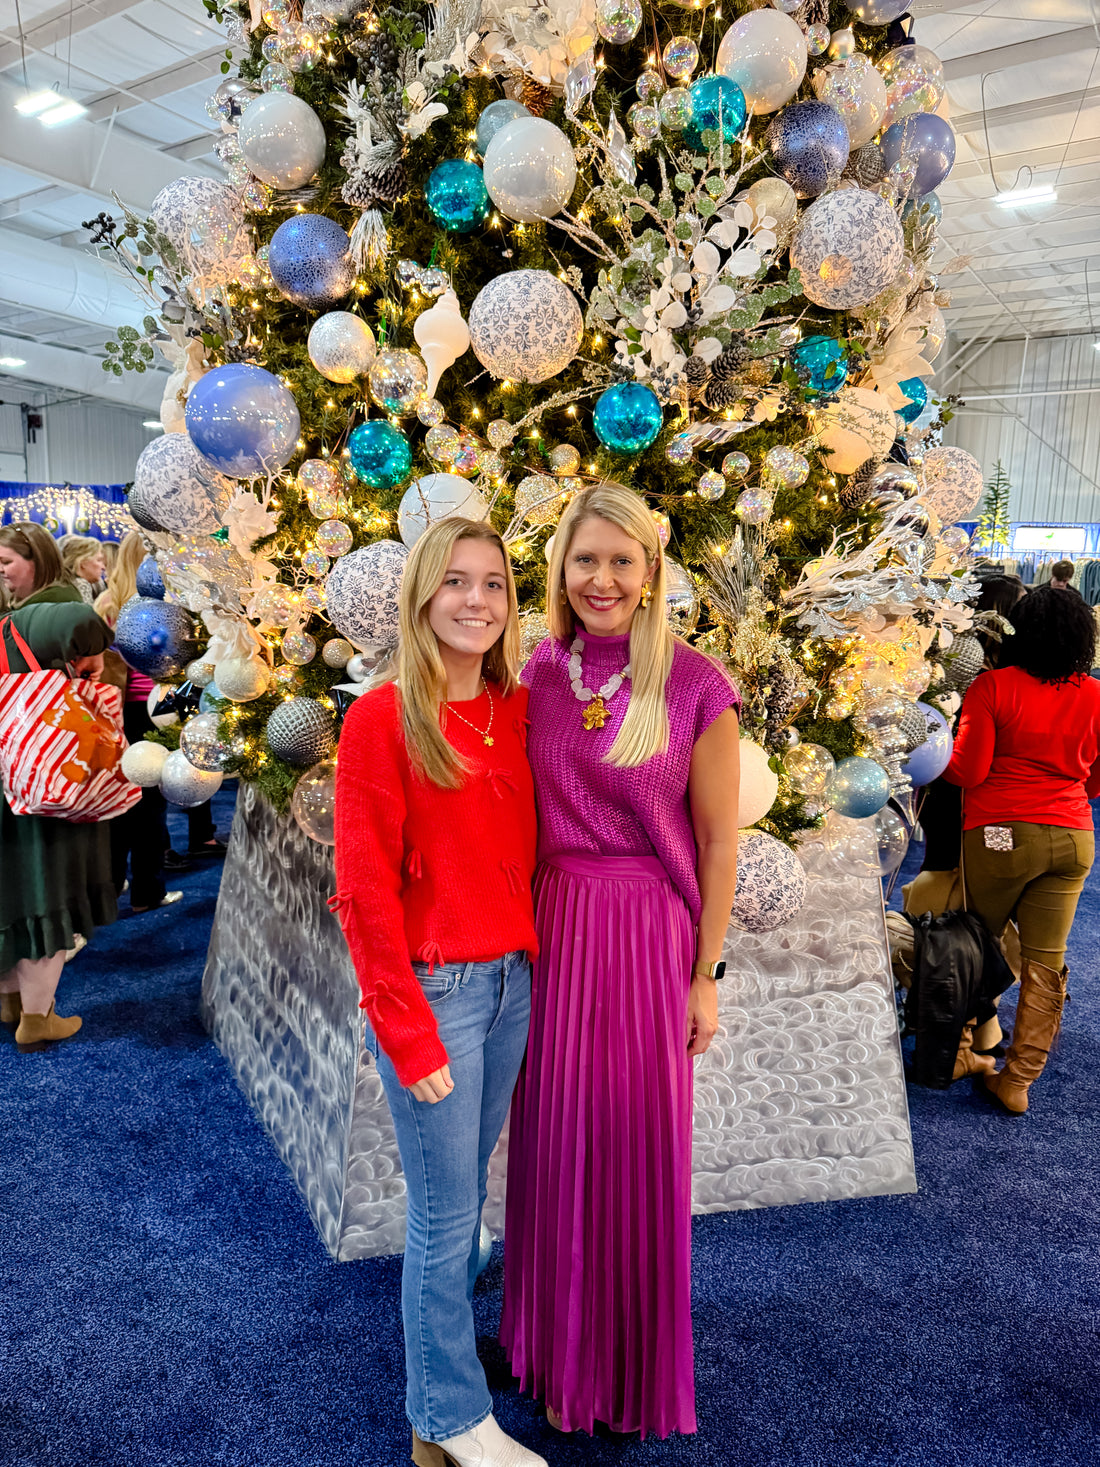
(645, 728)
(122, 580)
(419, 672)
(75, 550)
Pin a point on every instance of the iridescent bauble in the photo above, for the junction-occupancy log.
(644, 120)
(772, 198)
(717, 105)
(892, 839)
(618, 20)
(821, 363)
(337, 652)
(276, 77)
(917, 392)
(456, 196)
(315, 564)
(675, 108)
(955, 540)
(203, 219)
(333, 538)
(765, 54)
(711, 486)
(313, 803)
(282, 140)
(437, 497)
(680, 57)
(859, 787)
(649, 87)
(530, 169)
(155, 637)
(397, 380)
(849, 246)
(363, 593)
(787, 465)
(818, 37)
(771, 884)
(859, 95)
(442, 442)
(754, 506)
(184, 785)
(320, 483)
(736, 465)
(143, 763)
(298, 648)
(565, 459)
(842, 44)
(680, 449)
(341, 346)
(300, 730)
(200, 743)
(664, 525)
(538, 499)
(148, 579)
(525, 325)
(466, 458)
(175, 488)
(242, 420)
(914, 82)
(310, 260)
(627, 417)
(495, 116)
(809, 768)
(921, 148)
(809, 143)
(430, 411)
(379, 453)
(681, 599)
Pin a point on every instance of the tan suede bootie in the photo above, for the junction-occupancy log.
(1038, 1019)
(37, 1030)
(966, 1061)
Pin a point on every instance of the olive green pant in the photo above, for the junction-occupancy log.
(1038, 882)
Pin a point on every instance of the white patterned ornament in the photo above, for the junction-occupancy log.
(857, 426)
(953, 484)
(442, 336)
(341, 346)
(143, 763)
(848, 247)
(205, 223)
(771, 884)
(184, 785)
(242, 679)
(363, 591)
(525, 326)
(437, 497)
(178, 488)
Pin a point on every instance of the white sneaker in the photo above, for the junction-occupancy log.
(488, 1446)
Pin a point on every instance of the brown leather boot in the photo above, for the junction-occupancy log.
(11, 1006)
(966, 1061)
(1038, 1019)
(37, 1030)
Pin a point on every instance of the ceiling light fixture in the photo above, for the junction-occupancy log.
(12, 362)
(66, 111)
(1038, 193)
(36, 103)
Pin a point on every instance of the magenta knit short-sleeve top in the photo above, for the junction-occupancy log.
(587, 805)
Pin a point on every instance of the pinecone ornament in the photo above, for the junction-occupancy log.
(859, 484)
(728, 363)
(697, 375)
(535, 96)
(722, 395)
(374, 188)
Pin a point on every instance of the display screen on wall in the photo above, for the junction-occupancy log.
(1069, 539)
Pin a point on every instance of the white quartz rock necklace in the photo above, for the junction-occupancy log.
(596, 712)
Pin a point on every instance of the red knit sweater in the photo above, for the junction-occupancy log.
(1027, 750)
(442, 876)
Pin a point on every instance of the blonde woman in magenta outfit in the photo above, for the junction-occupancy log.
(634, 749)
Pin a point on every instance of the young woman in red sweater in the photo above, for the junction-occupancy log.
(1027, 756)
(435, 851)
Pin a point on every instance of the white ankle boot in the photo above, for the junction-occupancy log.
(488, 1446)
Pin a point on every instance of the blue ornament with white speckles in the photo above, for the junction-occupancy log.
(809, 142)
(627, 417)
(718, 105)
(917, 393)
(858, 788)
(380, 454)
(148, 579)
(310, 260)
(457, 196)
(820, 360)
(155, 637)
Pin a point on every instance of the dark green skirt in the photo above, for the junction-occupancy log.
(55, 881)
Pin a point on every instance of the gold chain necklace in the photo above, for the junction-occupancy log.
(483, 734)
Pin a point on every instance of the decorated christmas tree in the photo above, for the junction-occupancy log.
(472, 257)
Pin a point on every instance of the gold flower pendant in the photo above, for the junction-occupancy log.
(596, 713)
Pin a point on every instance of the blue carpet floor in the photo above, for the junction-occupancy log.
(164, 1298)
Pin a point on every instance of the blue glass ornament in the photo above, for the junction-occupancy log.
(494, 117)
(457, 196)
(928, 760)
(717, 105)
(243, 420)
(926, 201)
(148, 579)
(212, 696)
(821, 361)
(627, 417)
(155, 637)
(917, 393)
(310, 260)
(925, 140)
(809, 142)
(380, 454)
(858, 788)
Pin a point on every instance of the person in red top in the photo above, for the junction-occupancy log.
(1027, 756)
(435, 852)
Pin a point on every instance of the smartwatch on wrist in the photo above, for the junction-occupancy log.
(717, 971)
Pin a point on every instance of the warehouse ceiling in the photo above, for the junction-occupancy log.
(1023, 94)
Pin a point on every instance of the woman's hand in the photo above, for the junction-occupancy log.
(702, 1014)
(89, 667)
(435, 1087)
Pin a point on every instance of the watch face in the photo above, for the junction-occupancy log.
(719, 971)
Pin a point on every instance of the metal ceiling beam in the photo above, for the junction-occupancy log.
(57, 25)
(1028, 111)
(157, 86)
(1079, 40)
(39, 198)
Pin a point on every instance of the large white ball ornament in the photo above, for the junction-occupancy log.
(142, 763)
(184, 785)
(858, 93)
(178, 488)
(341, 346)
(953, 485)
(205, 223)
(765, 54)
(525, 326)
(530, 169)
(771, 884)
(758, 787)
(282, 140)
(437, 497)
(859, 425)
(242, 679)
(363, 590)
(848, 247)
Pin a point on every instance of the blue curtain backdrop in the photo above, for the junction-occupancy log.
(84, 509)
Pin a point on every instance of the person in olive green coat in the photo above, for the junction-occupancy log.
(56, 874)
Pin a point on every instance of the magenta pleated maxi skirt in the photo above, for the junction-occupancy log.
(597, 1255)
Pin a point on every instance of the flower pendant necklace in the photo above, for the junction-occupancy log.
(483, 734)
(596, 711)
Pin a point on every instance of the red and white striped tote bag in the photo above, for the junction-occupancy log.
(61, 742)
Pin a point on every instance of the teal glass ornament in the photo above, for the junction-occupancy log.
(858, 788)
(821, 362)
(457, 196)
(917, 393)
(495, 116)
(627, 417)
(380, 454)
(717, 105)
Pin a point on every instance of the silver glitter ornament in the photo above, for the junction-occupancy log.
(200, 744)
(337, 652)
(681, 599)
(184, 785)
(300, 731)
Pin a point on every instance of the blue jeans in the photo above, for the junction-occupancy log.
(483, 1011)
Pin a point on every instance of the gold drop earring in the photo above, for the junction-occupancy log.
(562, 597)
(647, 594)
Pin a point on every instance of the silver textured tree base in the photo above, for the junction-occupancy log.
(801, 1097)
